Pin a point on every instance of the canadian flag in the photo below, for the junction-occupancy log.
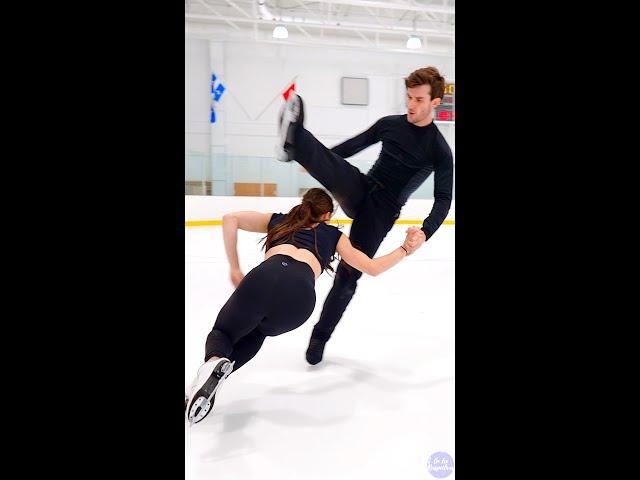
(289, 89)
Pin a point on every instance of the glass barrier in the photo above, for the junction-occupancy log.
(232, 175)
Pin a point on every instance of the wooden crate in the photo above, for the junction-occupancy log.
(255, 189)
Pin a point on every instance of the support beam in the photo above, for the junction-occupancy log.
(344, 26)
(365, 38)
(217, 15)
(234, 5)
(304, 31)
(394, 6)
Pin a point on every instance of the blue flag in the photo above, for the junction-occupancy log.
(218, 92)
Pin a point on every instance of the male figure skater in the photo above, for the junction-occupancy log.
(412, 149)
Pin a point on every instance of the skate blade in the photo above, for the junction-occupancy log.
(201, 407)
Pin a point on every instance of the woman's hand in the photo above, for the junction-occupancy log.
(236, 276)
(414, 239)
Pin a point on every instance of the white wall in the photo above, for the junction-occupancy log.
(197, 137)
(255, 73)
(213, 208)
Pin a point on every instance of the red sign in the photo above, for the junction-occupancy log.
(445, 115)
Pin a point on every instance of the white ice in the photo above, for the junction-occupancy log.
(380, 403)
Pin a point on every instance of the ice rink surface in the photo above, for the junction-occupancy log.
(378, 406)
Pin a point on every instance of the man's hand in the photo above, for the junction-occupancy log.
(236, 276)
(414, 240)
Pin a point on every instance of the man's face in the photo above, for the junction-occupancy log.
(420, 105)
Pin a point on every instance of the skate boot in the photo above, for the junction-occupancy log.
(315, 350)
(292, 113)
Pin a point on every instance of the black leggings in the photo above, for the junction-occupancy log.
(372, 208)
(275, 297)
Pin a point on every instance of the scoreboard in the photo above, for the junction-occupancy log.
(447, 109)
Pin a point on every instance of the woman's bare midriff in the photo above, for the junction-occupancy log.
(299, 254)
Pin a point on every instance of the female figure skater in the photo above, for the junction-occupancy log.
(278, 295)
